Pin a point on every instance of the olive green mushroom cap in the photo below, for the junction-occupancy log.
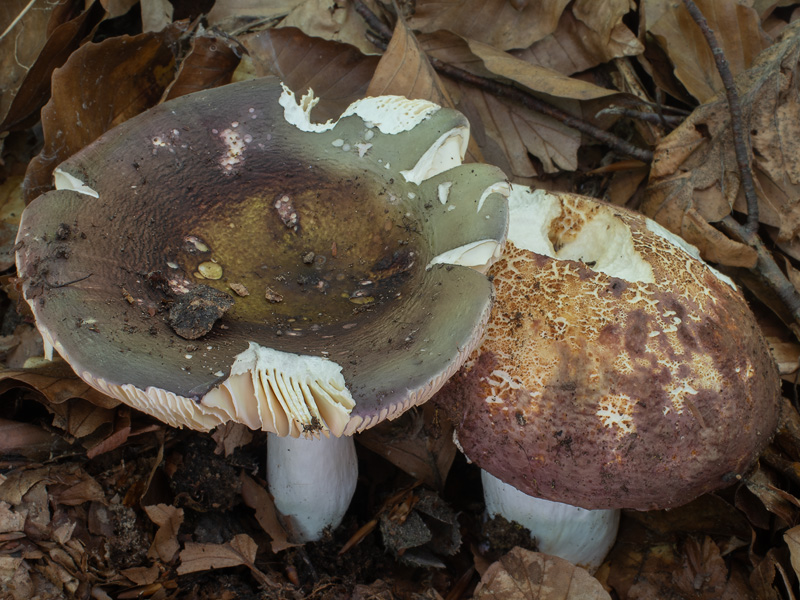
(222, 257)
(618, 370)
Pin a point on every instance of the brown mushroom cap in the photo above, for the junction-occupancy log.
(324, 236)
(618, 370)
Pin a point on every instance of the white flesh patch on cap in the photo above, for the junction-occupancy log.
(288, 394)
(445, 153)
(603, 243)
(390, 114)
(501, 187)
(478, 255)
(65, 181)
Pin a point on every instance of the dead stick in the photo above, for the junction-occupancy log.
(769, 271)
(740, 141)
(513, 93)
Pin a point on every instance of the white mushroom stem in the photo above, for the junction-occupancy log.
(312, 481)
(580, 536)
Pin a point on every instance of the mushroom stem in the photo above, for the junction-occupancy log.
(580, 536)
(312, 481)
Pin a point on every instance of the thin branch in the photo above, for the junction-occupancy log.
(513, 93)
(767, 268)
(649, 117)
(740, 140)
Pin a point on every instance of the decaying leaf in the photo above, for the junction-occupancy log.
(735, 25)
(525, 575)
(404, 70)
(694, 178)
(510, 28)
(330, 20)
(589, 33)
(338, 73)
(258, 498)
(100, 86)
(165, 542)
(420, 443)
(241, 550)
(65, 31)
(233, 14)
(24, 27)
(211, 62)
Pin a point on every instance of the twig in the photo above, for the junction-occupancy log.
(650, 117)
(511, 92)
(740, 140)
(767, 268)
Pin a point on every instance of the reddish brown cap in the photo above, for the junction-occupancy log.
(221, 257)
(618, 370)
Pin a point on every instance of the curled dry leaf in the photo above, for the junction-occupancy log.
(338, 73)
(25, 27)
(100, 86)
(589, 33)
(510, 28)
(233, 14)
(792, 538)
(241, 550)
(11, 206)
(404, 70)
(695, 181)
(420, 443)
(525, 575)
(335, 21)
(536, 78)
(258, 498)
(211, 62)
(737, 29)
(63, 36)
(165, 542)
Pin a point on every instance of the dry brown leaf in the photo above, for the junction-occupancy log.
(232, 14)
(514, 131)
(736, 27)
(56, 381)
(338, 73)
(165, 542)
(588, 34)
(24, 32)
(64, 35)
(792, 538)
(241, 550)
(536, 78)
(231, 436)
(156, 14)
(493, 22)
(767, 574)
(776, 500)
(142, 575)
(11, 206)
(404, 70)
(117, 8)
(525, 575)
(694, 176)
(331, 20)
(420, 443)
(259, 499)
(27, 440)
(505, 131)
(100, 86)
(211, 62)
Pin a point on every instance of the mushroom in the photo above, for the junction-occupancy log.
(223, 258)
(618, 370)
